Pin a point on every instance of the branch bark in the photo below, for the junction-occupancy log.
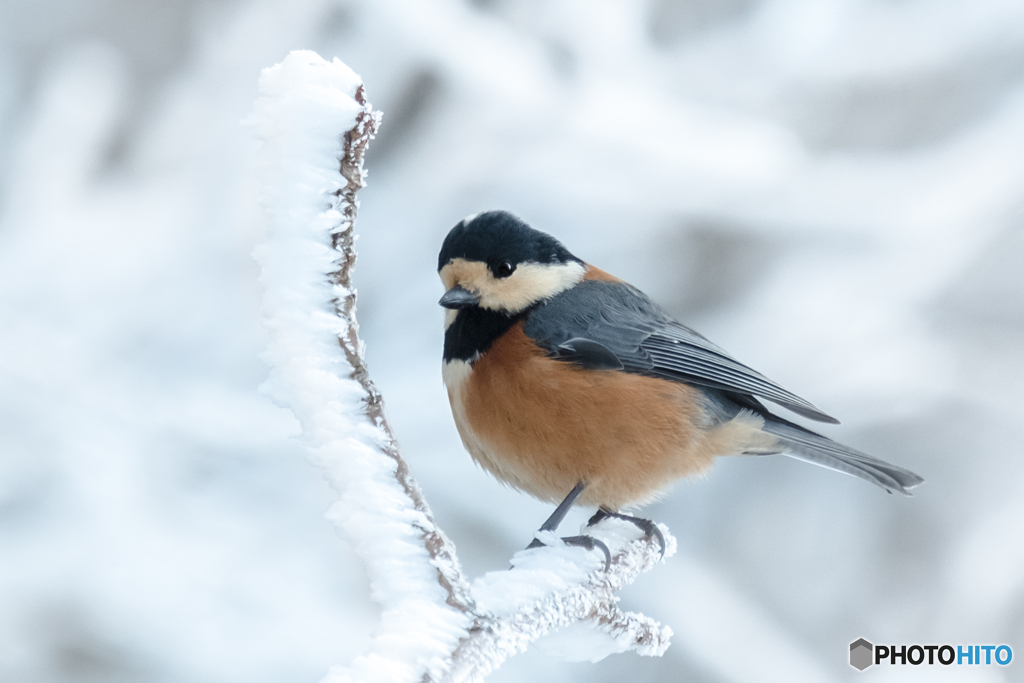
(440, 549)
(435, 626)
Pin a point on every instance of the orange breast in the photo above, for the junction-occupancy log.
(542, 425)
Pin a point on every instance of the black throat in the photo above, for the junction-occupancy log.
(473, 332)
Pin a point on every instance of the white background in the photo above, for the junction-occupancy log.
(831, 190)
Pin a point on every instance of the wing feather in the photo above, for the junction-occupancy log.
(598, 320)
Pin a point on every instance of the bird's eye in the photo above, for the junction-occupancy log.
(503, 269)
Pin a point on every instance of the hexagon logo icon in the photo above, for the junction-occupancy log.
(861, 654)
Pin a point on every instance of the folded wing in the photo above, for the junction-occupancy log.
(598, 323)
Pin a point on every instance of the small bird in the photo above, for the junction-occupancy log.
(572, 385)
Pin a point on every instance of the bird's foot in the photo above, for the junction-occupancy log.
(649, 528)
(586, 542)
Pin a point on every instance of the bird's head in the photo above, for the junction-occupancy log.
(496, 261)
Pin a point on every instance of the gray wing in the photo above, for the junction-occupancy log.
(606, 325)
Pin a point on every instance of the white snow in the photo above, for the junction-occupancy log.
(304, 105)
(158, 520)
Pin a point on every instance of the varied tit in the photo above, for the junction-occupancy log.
(572, 385)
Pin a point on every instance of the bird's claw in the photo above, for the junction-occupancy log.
(589, 543)
(649, 528)
(586, 542)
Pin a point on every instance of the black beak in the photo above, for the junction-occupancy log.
(457, 297)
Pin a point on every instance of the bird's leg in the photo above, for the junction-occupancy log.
(649, 528)
(561, 511)
(556, 518)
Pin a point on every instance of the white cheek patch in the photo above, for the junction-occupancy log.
(447, 277)
(471, 275)
(530, 283)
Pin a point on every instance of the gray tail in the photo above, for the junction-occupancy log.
(803, 444)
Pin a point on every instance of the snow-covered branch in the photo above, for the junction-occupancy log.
(316, 123)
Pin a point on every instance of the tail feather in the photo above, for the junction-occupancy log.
(803, 444)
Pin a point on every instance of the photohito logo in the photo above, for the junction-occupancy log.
(863, 654)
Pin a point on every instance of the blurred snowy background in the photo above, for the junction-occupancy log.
(832, 190)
